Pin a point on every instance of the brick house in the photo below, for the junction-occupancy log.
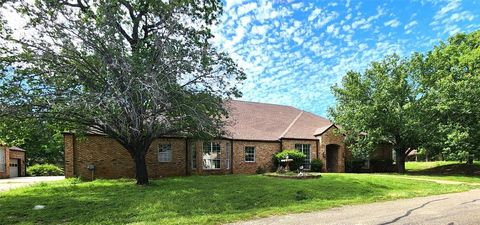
(255, 131)
(12, 162)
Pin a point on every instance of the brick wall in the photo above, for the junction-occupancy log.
(6, 172)
(111, 160)
(68, 146)
(264, 152)
(331, 137)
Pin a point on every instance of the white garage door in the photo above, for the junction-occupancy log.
(13, 167)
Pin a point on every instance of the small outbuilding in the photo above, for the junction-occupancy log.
(12, 162)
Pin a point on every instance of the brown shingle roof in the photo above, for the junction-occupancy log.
(269, 122)
(262, 121)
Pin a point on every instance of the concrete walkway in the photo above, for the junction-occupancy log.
(447, 209)
(11, 183)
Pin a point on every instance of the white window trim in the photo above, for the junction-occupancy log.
(167, 153)
(218, 157)
(254, 154)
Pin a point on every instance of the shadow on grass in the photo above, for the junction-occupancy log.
(448, 170)
(196, 199)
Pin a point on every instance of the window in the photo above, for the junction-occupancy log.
(211, 155)
(193, 150)
(164, 152)
(305, 149)
(249, 154)
(228, 150)
(2, 160)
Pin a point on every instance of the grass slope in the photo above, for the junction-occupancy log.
(446, 170)
(200, 199)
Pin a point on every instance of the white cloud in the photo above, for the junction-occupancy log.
(314, 14)
(232, 3)
(392, 23)
(297, 5)
(462, 16)
(333, 30)
(260, 30)
(298, 40)
(246, 8)
(410, 25)
(326, 18)
(448, 8)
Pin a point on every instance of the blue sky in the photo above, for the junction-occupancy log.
(294, 51)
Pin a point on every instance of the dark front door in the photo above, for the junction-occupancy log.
(332, 158)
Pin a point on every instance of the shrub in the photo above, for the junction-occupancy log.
(297, 157)
(354, 166)
(44, 170)
(260, 170)
(316, 165)
(381, 165)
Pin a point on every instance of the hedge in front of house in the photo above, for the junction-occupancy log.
(44, 170)
(297, 157)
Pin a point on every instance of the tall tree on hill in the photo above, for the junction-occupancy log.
(132, 69)
(380, 106)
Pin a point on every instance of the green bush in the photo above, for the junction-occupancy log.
(316, 165)
(354, 166)
(260, 170)
(298, 158)
(44, 170)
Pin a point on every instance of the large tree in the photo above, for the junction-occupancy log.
(450, 81)
(380, 106)
(131, 69)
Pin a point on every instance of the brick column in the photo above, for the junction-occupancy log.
(69, 145)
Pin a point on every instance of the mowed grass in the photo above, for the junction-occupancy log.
(201, 199)
(445, 170)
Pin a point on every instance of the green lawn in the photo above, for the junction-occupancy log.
(446, 170)
(433, 166)
(201, 199)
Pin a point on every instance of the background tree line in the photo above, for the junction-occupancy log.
(426, 101)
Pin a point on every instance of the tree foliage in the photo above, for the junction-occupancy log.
(450, 79)
(131, 69)
(428, 101)
(379, 106)
(42, 139)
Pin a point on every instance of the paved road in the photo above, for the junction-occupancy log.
(448, 209)
(10, 183)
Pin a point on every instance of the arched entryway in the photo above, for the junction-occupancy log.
(332, 158)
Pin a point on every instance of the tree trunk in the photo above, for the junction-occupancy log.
(469, 170)
(141, 173)
(400, 161)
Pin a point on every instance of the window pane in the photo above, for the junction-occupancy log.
(211, 155)
(165, 153)
(249, 154)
